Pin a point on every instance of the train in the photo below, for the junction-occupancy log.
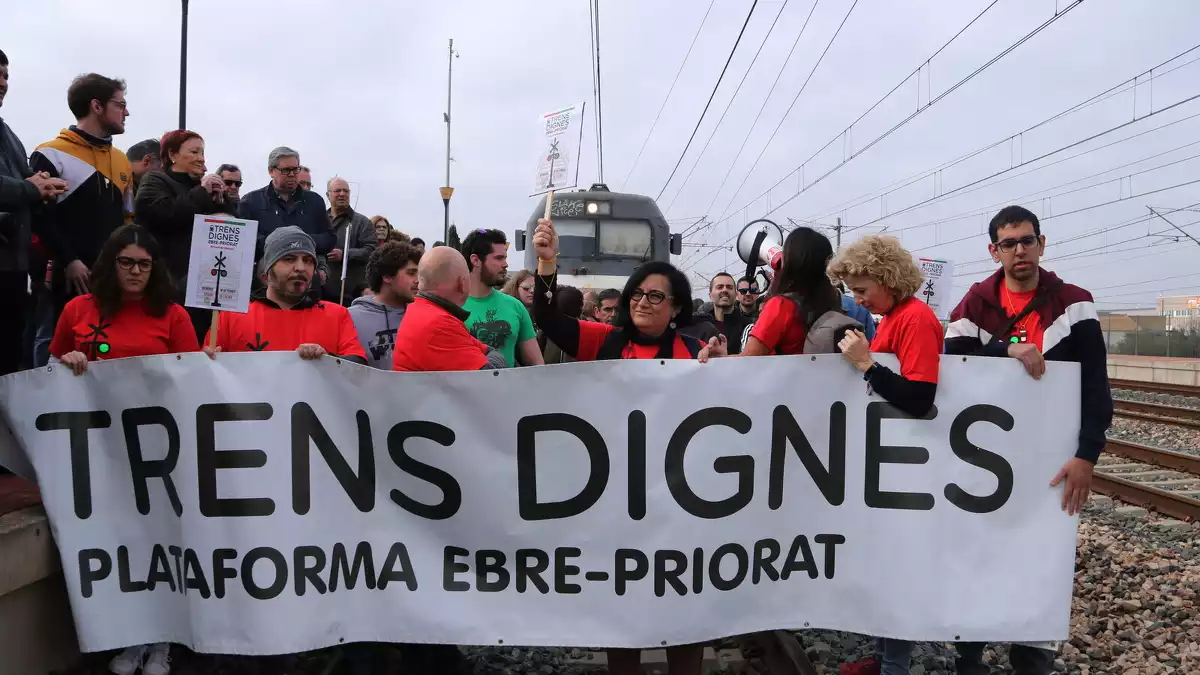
(602, 236)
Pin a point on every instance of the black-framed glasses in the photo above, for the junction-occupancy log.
(233, 183)
(748, 289)
(1007, 245)
(127, 264)
(120, 104)
(653, 297)
(292, 171)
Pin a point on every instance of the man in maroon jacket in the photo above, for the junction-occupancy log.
(1027, 313)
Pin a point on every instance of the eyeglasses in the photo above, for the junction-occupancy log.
(293, 171)
(527, 288)
(749, 289)
(233, 183)
(120, 104)
(653, 297)
(127, 264)
(1028, 242)
(609, 309)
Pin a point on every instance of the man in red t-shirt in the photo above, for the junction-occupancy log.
(284, 316)
(434, 336)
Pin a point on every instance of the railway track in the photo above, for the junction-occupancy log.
(1157, 412)
(1155, 387)
(1162, 480)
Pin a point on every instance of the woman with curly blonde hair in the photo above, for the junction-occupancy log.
(885, 279)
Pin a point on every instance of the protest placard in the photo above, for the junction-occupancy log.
(936, 285)
(221, 263)
(261, 504)
(560, 134)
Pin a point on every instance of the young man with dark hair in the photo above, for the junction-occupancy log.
(392, 278)
(21, 191)
(724, 313)
(143, 158)
(498, 320)
(1029, 314)
(747, 297)
(99, 196)
(419, 244)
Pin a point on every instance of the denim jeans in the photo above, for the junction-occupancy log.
(893, 656)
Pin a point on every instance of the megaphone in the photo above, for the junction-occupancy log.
(760, 243)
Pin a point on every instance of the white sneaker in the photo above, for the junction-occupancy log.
(128, 661)
(158, 662)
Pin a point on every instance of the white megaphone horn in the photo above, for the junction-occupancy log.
(760, 243)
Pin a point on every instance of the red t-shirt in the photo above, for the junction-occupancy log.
(913, 333)
(267, 328)
(592, 336)
(131, 332)
(779, 327)
(432, 339)
(1014, 302)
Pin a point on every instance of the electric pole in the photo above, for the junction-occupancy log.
(448, 191)
(183, 68)
(837, 229)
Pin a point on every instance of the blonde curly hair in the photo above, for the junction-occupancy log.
(882, 258)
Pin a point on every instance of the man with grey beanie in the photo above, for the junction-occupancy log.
(283, 316)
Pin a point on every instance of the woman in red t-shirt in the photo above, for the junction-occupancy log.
(130, 310)
(656, 298)
(885, 279)
(800, 293)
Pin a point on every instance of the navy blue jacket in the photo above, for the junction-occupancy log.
(305, 210)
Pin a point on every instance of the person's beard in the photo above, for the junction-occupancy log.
(281, 286)
(494, 281)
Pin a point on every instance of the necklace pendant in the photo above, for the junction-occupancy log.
(549, 295)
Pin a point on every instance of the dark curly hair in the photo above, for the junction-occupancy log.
(681, 293)
(106, 288)
(388, 260)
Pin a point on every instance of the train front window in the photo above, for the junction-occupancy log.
(627, 238)
(618, 238)
(576, 238)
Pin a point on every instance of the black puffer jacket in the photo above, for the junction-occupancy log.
(166, 204)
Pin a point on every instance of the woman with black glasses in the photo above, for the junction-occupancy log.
(656, 299)
(168, 200)
(131, 310)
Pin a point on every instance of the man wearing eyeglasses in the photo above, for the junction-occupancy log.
(284, 203)
(605, 310)
(99, 183)
(1029, 314)
(231, 176)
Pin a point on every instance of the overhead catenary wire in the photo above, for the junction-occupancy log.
(921, 109)
(716, 86)
(791, 106)
(962, 189)
(1146, 76)
(658, 115)
(770, 91)
(728, 104)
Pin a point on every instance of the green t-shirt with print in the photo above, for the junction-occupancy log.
(499, 321)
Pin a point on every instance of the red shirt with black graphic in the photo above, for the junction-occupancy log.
(269, 328)
(130, 332)
(913, 333)
(778, 327)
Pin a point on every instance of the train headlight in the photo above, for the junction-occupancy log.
(599, 209)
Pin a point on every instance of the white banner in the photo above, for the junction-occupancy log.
(260, 504)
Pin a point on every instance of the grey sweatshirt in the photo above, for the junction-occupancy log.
(376, 324)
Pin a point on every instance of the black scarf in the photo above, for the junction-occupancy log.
(614, 345)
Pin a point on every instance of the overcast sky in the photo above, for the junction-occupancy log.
(359, 89)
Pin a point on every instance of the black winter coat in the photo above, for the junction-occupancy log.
(167, 203)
